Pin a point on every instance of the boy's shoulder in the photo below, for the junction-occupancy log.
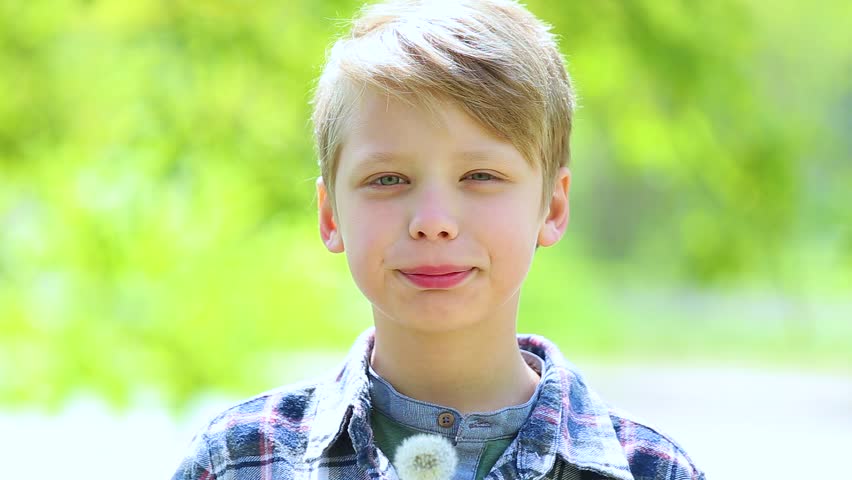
(599, 437)
(286, 406)
(651, 453)
(267, 431)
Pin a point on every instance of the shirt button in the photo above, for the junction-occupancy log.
(446, 419)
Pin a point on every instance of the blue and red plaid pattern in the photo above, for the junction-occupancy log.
(321, 430)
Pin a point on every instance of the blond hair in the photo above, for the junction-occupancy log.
(492, 58)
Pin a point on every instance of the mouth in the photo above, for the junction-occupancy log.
(441, 277)
(435, 269)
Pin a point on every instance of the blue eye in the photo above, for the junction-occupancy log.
(388, 180)
(481, 176)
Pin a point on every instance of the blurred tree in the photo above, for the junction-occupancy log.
(156, 179)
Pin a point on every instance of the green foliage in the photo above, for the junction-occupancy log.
(157, 178)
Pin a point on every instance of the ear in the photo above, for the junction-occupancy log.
(327, 224)
(556, 219)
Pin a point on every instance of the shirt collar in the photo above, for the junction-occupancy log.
(344, 393)
(568, 419)
(472, 427)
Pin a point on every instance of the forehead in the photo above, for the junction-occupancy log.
(383, 128)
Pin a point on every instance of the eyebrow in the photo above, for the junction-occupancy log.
(375, 159)
(381, 158)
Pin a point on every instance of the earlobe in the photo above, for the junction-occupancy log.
(329, 232)
(556, 221)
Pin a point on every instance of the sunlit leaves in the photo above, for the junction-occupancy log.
(157, 177)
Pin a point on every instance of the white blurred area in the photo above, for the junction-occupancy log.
(736, 424)
(739, 423)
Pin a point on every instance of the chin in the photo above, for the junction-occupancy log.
(432, 311)
(438, 319)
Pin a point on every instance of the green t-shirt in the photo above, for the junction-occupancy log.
(389, 434)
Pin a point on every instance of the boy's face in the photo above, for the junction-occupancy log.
(439, 220)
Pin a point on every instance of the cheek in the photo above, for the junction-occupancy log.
(367, 231)
(363, 225)
(509, 230)
(509, 224)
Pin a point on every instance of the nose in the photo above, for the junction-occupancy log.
(433, 218)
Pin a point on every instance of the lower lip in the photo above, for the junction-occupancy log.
(446, 281)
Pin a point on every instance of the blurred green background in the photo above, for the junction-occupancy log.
(157, 212)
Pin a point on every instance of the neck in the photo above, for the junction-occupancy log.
(478, 368)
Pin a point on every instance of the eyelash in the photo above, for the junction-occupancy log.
(377, 180)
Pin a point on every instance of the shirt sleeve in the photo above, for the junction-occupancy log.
(197, 464)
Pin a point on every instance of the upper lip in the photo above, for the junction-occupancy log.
(435, 269)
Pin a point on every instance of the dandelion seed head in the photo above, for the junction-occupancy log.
(425, 457)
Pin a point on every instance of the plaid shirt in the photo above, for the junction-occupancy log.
(321, 430)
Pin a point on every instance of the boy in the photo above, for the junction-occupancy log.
(442, 129)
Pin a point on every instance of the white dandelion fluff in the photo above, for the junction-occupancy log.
(425, 457)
